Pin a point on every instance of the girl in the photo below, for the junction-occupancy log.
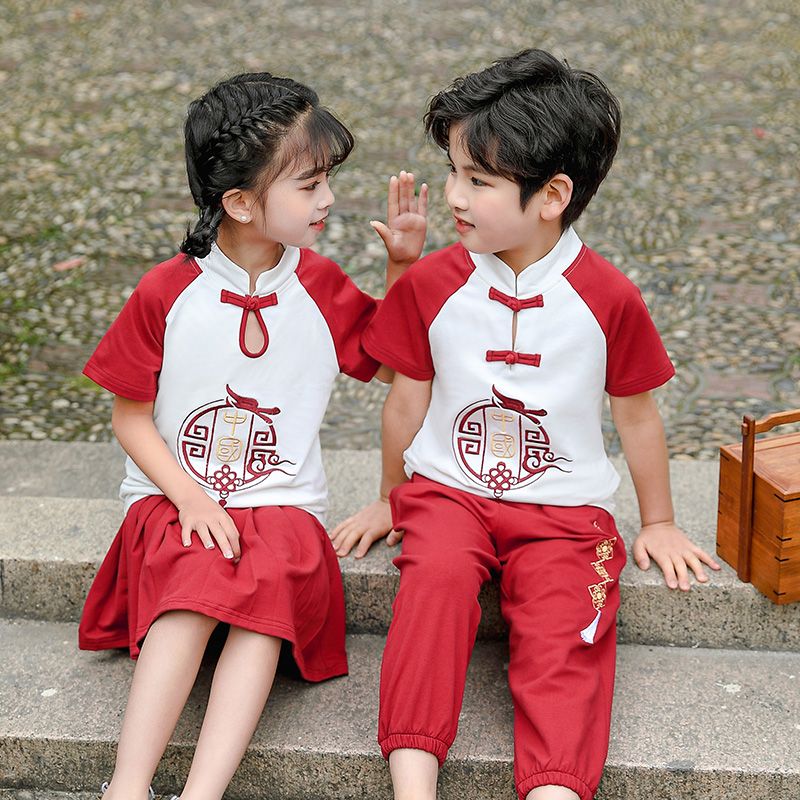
(222, 362)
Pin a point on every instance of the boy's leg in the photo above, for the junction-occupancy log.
(414, 774)
(560, 595)
(552, 793)
(242, 682)
(447, 555)
(164, 676)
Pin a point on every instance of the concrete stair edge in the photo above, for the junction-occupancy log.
(670, 737)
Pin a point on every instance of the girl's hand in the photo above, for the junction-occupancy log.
(367, 526)
(674, 552)
(404, 231)
(211, 522)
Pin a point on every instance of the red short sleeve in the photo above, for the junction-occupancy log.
(128, 358)
(398, 336)
(636, 360)
(346, 309)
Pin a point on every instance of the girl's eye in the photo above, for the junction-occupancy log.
(311, 186)
(451, 168)
(477, 182)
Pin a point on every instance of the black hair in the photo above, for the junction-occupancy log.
(528, 117)
(243, 133)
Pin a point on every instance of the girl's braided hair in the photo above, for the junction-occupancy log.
(243, 133)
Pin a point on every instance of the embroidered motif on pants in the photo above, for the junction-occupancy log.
(605, 552)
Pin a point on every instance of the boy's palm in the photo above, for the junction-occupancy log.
(407, 219)
(373, 522)
(674, 553)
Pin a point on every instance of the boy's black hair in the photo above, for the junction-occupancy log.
(243, 133)
(528, 117)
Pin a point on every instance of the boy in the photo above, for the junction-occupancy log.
(503, 346)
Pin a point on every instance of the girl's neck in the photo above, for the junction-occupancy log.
(254, 256)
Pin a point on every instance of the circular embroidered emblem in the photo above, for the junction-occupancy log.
(500, 444)
(230, 444)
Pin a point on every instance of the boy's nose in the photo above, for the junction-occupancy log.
(456, 202)
(454, 196)
(327, 199)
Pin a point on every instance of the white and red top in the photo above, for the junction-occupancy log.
(245, 425)
(518, 417)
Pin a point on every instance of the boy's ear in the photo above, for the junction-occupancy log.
(237, 204)
(557, 194)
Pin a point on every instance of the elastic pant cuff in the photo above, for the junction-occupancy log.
(414, 741)
(554, 778)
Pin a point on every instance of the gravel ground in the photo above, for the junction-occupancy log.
(700, 208)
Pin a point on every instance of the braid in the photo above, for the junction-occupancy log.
(253, 122)
(198, 242)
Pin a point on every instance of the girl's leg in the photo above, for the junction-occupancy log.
(414, 774)
(241, 685)
(164, 676)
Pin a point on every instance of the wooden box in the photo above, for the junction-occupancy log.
(758, 520)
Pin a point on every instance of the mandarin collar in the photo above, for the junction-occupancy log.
(537, 277)
(233, 276)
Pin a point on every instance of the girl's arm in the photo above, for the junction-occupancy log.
(403, 414)
(641, 432)
(403, 235)
(133, 426)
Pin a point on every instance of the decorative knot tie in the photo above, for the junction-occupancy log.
(513, 357)
(250, 304)
(516, 304)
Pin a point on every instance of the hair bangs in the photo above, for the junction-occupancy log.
(319, 142)
(478, 137)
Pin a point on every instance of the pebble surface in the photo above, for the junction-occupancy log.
(700, 208)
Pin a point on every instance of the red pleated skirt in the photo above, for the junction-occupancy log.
(286, 584)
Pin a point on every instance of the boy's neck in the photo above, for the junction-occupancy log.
(254, 257)
(519, 258)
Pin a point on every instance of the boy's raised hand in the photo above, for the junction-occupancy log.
(674, 553)
(363, 528)
(407, 219)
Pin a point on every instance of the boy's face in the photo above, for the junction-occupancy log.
(487, 211)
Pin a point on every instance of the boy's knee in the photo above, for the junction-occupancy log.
(449, 574)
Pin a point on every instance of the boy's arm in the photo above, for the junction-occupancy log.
(132, 422)
(641, 433)
(403, 414)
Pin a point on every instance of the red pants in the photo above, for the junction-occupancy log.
(559, 596)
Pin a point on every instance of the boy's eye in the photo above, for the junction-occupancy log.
(478, 182)
(451, 167)
(311, 186)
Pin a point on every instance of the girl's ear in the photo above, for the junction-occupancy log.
(557, 194)
(237, 205)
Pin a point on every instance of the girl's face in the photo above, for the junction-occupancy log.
(296, 204)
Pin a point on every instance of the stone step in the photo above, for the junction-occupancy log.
(688, 723)
(57, 517)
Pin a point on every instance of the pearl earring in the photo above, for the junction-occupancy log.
(243, 219)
